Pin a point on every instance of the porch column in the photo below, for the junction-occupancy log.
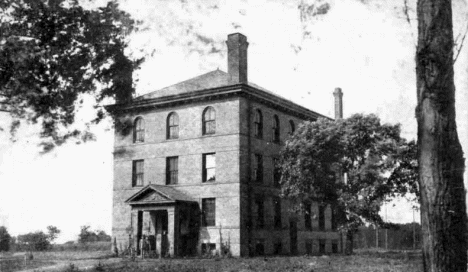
(133, 228)
(172, 230)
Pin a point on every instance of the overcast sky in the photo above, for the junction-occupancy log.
(365, 47)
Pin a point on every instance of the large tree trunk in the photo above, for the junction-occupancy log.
(441, 163)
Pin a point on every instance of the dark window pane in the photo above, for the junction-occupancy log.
(259, 247)
(278, 248)
(308, 216)
(172, 170)
(260, 213)
(258, 168)
(334, 247)
(138, 173)
(292, 127)
(139, 130)
(333, 219)
(209, 123)
(276, 172)
(173, 126)
(321, 246)
(278, 223)
(276, 129)
(309, 247)
(209, 167)
(208, 212)
(321, 218)
(258, 124)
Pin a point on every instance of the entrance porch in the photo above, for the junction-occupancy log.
(163, 222)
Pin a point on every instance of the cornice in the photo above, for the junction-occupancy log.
(240, 90)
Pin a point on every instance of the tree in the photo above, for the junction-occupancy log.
(87, 235)
(52, 233)
(318, 154)
(55, 52)
(5, 239)
(34, 241)
(441, 163)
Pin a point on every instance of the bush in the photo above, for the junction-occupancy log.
(33, 241)
(4, 239)
(87, 236)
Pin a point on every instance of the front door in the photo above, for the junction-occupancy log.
(161, 227)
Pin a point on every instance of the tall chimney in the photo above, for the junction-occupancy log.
(237, 58)
(338, 103)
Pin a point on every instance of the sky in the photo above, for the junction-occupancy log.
(301, 50)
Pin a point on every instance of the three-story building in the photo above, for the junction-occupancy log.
(195, 172)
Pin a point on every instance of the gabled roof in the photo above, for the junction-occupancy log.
(158, 194)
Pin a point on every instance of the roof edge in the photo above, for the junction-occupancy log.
(223, 90)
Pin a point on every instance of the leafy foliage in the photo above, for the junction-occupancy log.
(319, 153)
(87, 235)
(52, 233)
(52, 53)
(4, 239)
(33, 241)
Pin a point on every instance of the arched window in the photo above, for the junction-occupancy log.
(139, 130)
(172, 126)
(209, 121)
(292, 127)
(275, 129)
(258, 124)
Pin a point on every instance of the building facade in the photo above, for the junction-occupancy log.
(194, 169)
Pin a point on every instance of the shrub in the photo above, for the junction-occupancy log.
(4, 239)
(33, 241)
(87, 236)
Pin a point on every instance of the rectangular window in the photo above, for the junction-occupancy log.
(308, 216)
(309, 246)
(209, 167)
(278, 247)
(277, 203)
(260, 213)
(138, 173)
(259, 247)
(276, 172)
(334, 247)
(172, 170)
(321, 218)
(322, 246)
(258, 168)
(333, 219)
(208, 212)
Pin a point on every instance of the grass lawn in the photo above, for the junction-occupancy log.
(360, 262)
(18, 264)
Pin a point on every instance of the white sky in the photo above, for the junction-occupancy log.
(366, 49)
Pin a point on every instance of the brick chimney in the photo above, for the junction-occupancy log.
(237, 58)
(338, 103)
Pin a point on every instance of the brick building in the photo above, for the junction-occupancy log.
(196, 170)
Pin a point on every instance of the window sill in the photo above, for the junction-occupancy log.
(138, 143)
